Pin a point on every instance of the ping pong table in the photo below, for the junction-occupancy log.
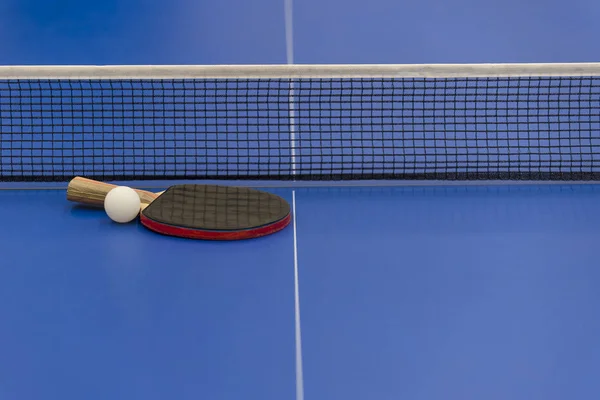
(405, 292)
(380, 289)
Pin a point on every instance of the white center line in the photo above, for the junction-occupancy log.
(298, 338)
(299, 372)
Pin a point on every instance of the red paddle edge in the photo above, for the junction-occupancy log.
(171, 230)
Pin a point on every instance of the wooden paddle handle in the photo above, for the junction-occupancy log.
(92, 193)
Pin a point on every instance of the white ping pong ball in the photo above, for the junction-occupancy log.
(122, 204)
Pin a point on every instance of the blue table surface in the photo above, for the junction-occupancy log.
(406, 292)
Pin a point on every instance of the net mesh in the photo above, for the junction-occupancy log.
(532, 127)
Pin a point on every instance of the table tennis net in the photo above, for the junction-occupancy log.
(302, 122)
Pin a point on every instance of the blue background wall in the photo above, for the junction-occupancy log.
(326, 31)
